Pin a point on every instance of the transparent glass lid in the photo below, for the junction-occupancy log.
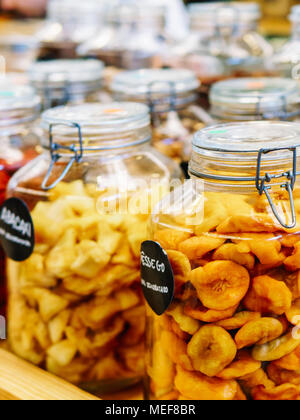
(224, 12)
(97, 118)
(118, 11)
(247, 139)
(57, 9)
(255, 94)
(162, 82)
(70, 71)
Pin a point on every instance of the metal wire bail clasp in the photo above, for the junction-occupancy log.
(55, 156)
(262, 187)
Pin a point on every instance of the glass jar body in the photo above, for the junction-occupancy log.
(236, 274)
(19, 145)
(88, 267)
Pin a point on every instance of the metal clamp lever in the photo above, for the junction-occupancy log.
(289, 185)
(55, 156)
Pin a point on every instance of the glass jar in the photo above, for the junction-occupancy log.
(19, 109)
(69, 23)
(251, 99)
(229, 31)
(286, 61)
(231, 330)
(18, 51)
(59, 82)
(132, 37)
(172, 97)
(75, 306)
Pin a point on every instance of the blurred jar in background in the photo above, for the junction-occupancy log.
(228, 31)
(59, 82)
(69, 23)
(132, 38)
(19, 139)
(286, 61)
(252, 99)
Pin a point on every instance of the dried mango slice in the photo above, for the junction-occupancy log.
(268, 296)
(196, 386)
(260, 331)
(240, 396)
(293, 314)
(221, 285)
(253, 223)
(194, 309)
(198, 246)
(171, 238)
(181, 268)
(175, 328)
(186, 324)
(231, 252)
(283, 376)
(239, 320)
(276, 349)
(243, 365)
(266, 248)
(286, 392)
(255, 379)
(292, 263)
(290, 361)
(289, 240)
(176, 349)
(211, 349)
(171, 396)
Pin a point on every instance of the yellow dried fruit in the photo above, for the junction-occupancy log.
(239, 320)
(286, 392)
(221, 285)
(268, 296)
(211, 350)
(176, 349)
(243, 365)
(292, 263)
(171, 238)
(260, 331)
(231, 252)
(293, 313)
(186, 324)
(276, 349)
(290, 361)
(282, 376)
(181, 268)
(194, 309)
(196, 386)
(198, 246)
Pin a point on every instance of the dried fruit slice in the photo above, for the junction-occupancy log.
(290, 361)
(283, 376)
(276, 349)
(176, 349)
(268, 296)
(194, 309)
(181, 268)
(243, 365)
(171, 238)
(292, 263)
(286, 392)
(293, 314)
(196, 386)
(255, 379)
(260, 331)
(211, 350)
(231, 252)
(221, 285)
(197, 246)
(239, 320)
(186, 324)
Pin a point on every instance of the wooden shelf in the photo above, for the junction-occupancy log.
(21, 381)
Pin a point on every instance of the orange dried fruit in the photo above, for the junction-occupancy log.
(196, 386)
(292, 263)
(260, 331)
(171, 238)
(171, 396)
(276, 349)
(186, 323)
(198, 246)
(266, 248)
(176, 349)
(290, 361)
(240, 396)
(243, 365)
(283, 376)
(221, 285)
(268, 296)
(181, 268)
(175, 328)
(255, 379)
(211, 349)
(293, 314)
(286, 392)
(239, 320)
(231, 252)
(194, 309)
(249, 223)
(289, 240)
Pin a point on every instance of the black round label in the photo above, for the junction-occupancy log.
(157, 277)
(16, 230)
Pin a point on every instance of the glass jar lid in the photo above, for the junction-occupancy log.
(222, 13)
(97, 119)
(57, 72)
(17, 103)
(134, 12)
(65, 9)
(259, 97)
(157, 86)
